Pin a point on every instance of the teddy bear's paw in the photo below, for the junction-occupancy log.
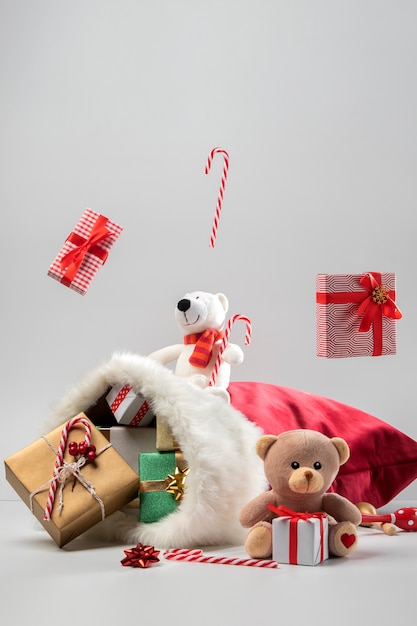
(258, 542)
(343, 539)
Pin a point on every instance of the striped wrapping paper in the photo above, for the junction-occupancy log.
(129, 408)
(338, 332)
(85, 251)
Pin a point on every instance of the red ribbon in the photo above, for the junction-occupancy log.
(295, 517)
(377, 302)
(72, 260)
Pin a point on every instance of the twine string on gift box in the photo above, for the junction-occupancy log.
(226, 334)
(63, 470)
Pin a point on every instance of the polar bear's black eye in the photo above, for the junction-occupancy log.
(317, 465)
(295, 465)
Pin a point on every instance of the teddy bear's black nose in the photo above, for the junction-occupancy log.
(183, 305)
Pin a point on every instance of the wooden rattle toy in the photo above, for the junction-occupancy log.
(405, 518)
(366, 508)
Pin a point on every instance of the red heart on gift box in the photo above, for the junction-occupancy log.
(348, 540)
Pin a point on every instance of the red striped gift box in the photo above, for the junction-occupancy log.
(356, 314)
(85, 251)
(129, 408)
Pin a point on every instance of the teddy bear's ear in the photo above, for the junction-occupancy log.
(342, 449)
(263, 444)
(223, 300)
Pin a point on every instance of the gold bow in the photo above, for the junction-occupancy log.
(176, 483)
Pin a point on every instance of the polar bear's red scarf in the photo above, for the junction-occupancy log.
(204, 343)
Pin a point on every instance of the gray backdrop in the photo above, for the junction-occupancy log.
(115, 105)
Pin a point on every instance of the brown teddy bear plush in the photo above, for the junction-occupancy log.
(300, 465)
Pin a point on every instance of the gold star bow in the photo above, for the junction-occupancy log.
(176, 483)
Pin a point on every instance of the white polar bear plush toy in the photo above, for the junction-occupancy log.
(201, 317)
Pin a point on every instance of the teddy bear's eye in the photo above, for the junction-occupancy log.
(295, 465)
(317, 465)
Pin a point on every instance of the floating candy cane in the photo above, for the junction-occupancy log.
(248, 336)
(60, 458)
(197, 556)
(221, 190)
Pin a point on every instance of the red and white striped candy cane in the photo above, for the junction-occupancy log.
(226, 334)
(197, 556)
(221, 190)
(60, 458)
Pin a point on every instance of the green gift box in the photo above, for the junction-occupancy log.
(162, 484)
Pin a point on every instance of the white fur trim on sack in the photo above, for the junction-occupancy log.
(217, 440)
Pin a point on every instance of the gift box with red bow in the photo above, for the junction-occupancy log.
(71, 479)
(356, 314)
(85, 251)
(300, 538)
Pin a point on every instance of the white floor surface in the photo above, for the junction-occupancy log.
(85, 583)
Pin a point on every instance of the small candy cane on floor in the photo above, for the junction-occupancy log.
(197, 556)
(60, 458)
(248, 336)
(221, 190)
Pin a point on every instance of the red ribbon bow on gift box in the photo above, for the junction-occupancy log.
(378, 301)
(295, 517)
(282, 511)
(73, 259)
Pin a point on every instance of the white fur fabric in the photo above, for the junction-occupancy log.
(217, 440)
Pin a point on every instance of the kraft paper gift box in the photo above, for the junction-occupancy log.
(356, 314)
(165, 440)
(162, 484)
(84, 251)
(89, 494)
(300, 541)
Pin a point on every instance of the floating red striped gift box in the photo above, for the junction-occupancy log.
(356, 314)
(85, 251)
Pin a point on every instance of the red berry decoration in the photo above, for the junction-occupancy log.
(82, 447)
(91, 455)
(73, 448)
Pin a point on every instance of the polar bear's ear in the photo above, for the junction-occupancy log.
(223, 300)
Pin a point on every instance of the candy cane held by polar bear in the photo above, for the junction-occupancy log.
(226, 334)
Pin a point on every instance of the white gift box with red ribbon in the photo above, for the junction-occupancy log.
(300, 538)
(129, 408)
